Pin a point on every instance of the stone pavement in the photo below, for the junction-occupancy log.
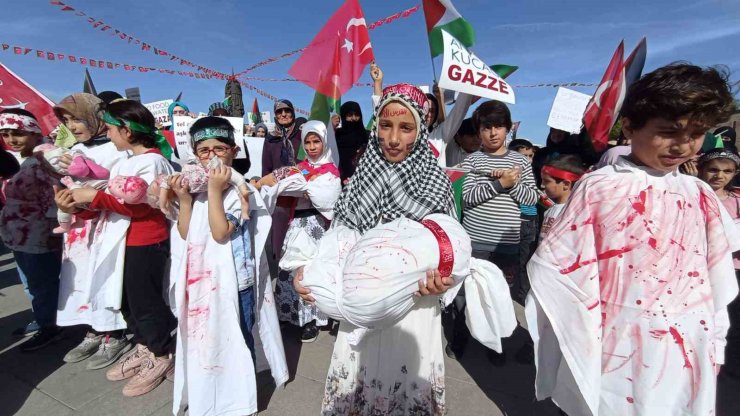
(40, 383)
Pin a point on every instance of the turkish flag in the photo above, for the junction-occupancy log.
(338, 54)
(17, 93)
(601, 112)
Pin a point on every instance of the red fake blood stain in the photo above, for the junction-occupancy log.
(83, 308)
(639, 205)
(653, 243)
(630, 400)
(693, 274)
(658, 333)
(577, 265)
(679, 340)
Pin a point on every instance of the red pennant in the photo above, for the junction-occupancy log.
(40, 54)
(127, 67)
(60, 56)
(67, 9)
(27, 50)
(104, 28)
(109, 65)
(50, 56)
(72, 58)
(5, 46)
(83, 61)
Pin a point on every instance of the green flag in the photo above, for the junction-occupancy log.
(504, 70)
(321, 109)
(65, 138)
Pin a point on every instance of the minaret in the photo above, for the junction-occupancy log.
(233, 93)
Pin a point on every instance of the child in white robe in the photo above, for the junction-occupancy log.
(630, 287)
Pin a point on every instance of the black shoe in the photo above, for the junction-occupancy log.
(525, 355)
(44, 337)
(496, 359)
(310, 332)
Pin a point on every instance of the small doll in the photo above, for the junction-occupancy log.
(196, 177)
(129, 189)
(82, 172)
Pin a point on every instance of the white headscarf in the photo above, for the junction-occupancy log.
(319, 128)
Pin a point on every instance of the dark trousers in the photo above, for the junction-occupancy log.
(246, 318)
(504, 260)
(41, 272)
(732, 349)
(527, 243)
(147, 315)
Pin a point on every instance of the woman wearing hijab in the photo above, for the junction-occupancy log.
(260, 130)
(400, 369)
(280, 150)
(313, 188)
(351, 137)
(179, 109)
(78, 288)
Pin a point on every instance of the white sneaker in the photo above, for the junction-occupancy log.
(110, 350)
(85, 349)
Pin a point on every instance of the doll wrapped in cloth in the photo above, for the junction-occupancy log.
(196, 176)
(370, 280)
(82, 172)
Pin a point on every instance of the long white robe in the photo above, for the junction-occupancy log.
(214, 373)
(629, 293)
(76, 286)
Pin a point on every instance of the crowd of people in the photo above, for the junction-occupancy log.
(184, 270)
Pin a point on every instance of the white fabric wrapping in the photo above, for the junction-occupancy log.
(323, 192)
(78, 286)
(214, 373)
(629, 292)
(370, 280)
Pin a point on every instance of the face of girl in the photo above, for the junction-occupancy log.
(78, 127)
(20, 141)
(206, 149)
(718, 173)
(397, 131)
(119, 136)
(261, 132)
(314, 146)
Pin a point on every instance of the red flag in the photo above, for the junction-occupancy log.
(17, 93)
(601, 112)
(344, 37)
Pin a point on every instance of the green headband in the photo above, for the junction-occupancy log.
(162, 144)
(213, 132)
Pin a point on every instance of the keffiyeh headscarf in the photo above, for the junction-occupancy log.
(381, 191)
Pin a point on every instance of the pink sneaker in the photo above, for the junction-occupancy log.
(152, 374)
(129, 365)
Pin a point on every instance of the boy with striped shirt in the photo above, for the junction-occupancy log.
(500, 180)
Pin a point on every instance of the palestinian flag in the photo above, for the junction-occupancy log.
(457, 176)
(441, 15)
(255, 116)
(504, 70)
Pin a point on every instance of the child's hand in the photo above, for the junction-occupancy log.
(509, 178)
(182, 190)
(65, 160)
(304, 293)
(83, 195)
(434, 285)
(497, 173)
(218, 178)
(64, 200)
(256, 184)
(268, 180)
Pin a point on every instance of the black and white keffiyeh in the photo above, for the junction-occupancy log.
(381, 191)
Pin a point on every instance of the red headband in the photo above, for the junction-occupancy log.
(560, 174)
(412, 92)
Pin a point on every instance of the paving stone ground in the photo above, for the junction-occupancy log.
(41, 384)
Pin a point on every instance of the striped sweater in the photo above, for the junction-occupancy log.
(491, 213)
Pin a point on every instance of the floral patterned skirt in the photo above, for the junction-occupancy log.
(395, 371)
(291, 307)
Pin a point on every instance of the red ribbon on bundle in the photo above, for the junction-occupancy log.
(446, 254)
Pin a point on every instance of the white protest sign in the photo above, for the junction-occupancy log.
(238, 124)
(182, 137)
(266, 117)
(567, 110)
(254, 146)
(159, 110)
(462, 71)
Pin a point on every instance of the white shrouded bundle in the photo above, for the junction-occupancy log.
(369, 280)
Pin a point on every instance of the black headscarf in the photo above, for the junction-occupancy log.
(351, 137)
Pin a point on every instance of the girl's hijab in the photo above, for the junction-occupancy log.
(84, 107)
